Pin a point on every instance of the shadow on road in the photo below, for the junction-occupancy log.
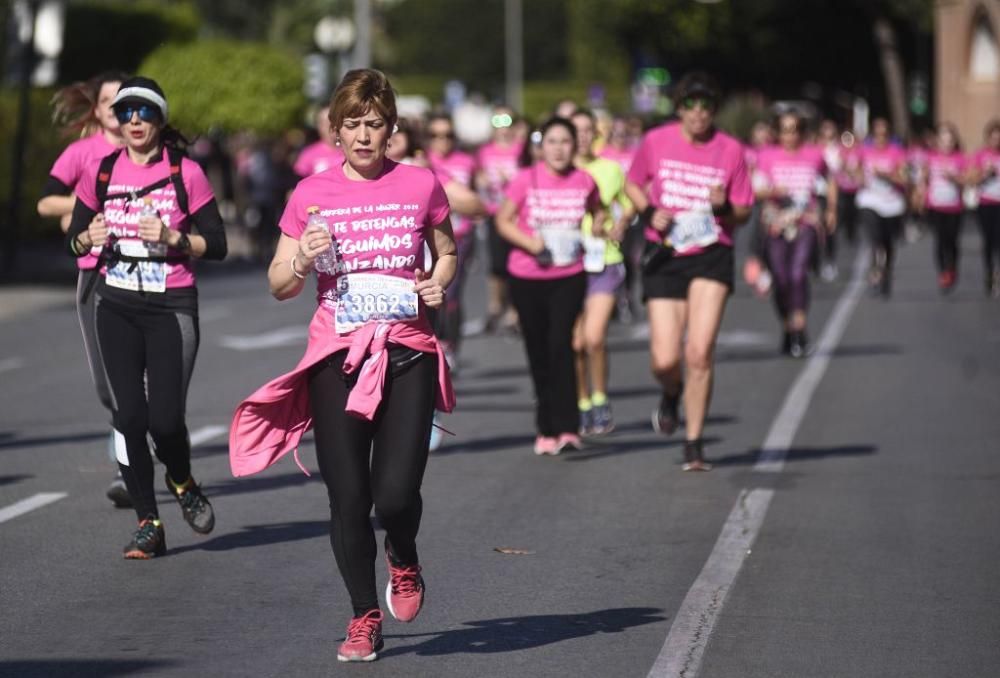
(460, 446)
(107, 668)
(11, 440)
(260, 483)
(512, 634)
(10, 480)
(260, 535)
(797, 454)
(608, 448)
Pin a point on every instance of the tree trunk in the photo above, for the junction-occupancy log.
(892, 72)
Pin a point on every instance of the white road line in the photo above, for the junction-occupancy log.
(682, 652)
(685, 644)
(203, 435)
(30, 504)
(779, 437)
(253, 342)
(9, 364)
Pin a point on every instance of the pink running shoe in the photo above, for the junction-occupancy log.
(404, 594)
(546, 445)
(568, 441)
(364, 639)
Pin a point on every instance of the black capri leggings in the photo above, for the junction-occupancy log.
(148, 357)
(548, 309)
(947, 227)
(883, 232)
(989, 225)
(376, 463)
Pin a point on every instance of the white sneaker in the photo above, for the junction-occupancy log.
(829, 272)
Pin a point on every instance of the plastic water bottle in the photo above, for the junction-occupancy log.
(154, 248)
(326, 262)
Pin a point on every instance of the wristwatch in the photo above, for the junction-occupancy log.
(184, 243)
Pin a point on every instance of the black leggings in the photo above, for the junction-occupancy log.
(989, 224)
(547, 310)
(946, 230)
(883, 232)
(847, 213)
(378, 463)
(148, 357)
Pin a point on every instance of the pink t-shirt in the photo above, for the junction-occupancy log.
(988, 160)
(378, 225)
(796, 172)
(69, 167)
(621, 156)
(680, 176)
(499, 165)
(944, 193)
(850, 161)
(122, 214)
(880, 195)
(317, 157)
(552, 206)
(460, 167)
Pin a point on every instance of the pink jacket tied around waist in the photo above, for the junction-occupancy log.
(272, 421)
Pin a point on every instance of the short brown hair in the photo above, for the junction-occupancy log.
(363, 90)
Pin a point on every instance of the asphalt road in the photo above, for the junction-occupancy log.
(870, 549)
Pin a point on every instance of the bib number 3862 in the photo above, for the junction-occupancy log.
(370, 297)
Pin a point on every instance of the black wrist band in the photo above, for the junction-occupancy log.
(184, 243)
(646, 216)
(723, 210)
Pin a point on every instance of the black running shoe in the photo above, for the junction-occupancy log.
(786, 343)
(799, 347)
(694, 457)
(147, 542)
(665, 417)
(194, 505)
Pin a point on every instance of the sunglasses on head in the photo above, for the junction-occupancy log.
(146, 113)
(704, 103)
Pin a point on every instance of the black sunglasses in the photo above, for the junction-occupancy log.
(690, 103)
(146, 113)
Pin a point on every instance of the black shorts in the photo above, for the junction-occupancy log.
(499, 250)
(669, 277)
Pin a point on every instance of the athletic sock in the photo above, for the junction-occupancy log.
(584, 404)
(599, 399)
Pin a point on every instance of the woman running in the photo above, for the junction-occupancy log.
(497, 163)
(985, 173)
(605, 266)
(541, 216)
(689, 182)
(373, 370)
(793, 221)
(138, 207)
(942, 182)
(84, 108)
(882, 201)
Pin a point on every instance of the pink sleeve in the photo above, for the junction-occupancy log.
(437, 207)
(303, 166)
(199, 191)
(68, 166)
(639, 173)
(517, 189)
(86, 188)
(293, 221)
(740, 189)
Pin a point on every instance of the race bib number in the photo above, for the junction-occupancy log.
(593, 254)
(944, 192)
(145, 276)
(991, 189)
(362, 298)
(693, 229)
(564, 244)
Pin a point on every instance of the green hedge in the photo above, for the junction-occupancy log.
(229, 85)
(43, 147)
(103, 35)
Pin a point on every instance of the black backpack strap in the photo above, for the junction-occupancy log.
(176, 157)
(104, 177)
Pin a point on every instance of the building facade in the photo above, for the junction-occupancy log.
(967, 65)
